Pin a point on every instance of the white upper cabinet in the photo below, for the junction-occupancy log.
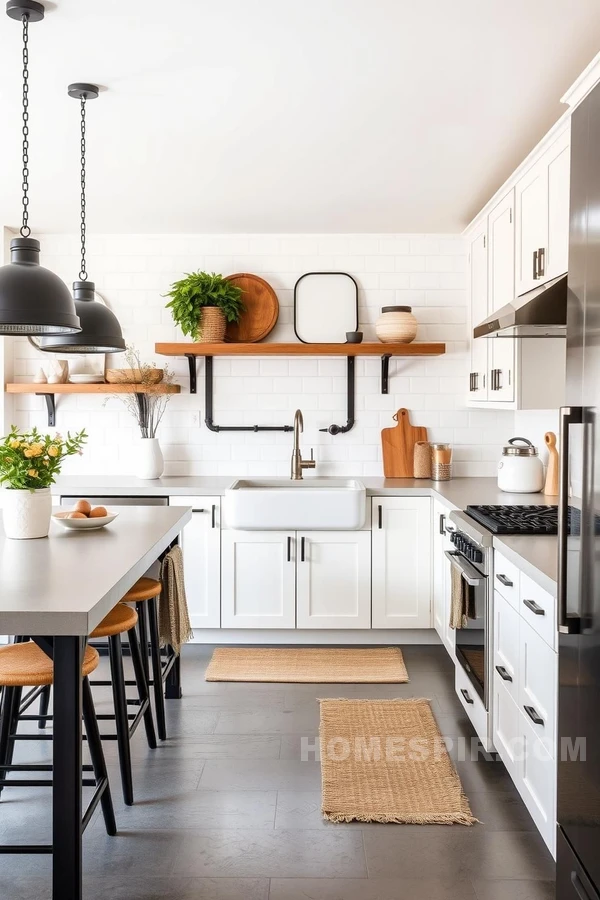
(501, 290)
(542, 217)
(478, 271)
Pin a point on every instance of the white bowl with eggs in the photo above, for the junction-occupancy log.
(84, 517)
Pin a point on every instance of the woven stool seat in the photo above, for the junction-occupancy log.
(25, 665)
(144, 589)
(120, 619)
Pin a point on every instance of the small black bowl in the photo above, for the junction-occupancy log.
(354, 337)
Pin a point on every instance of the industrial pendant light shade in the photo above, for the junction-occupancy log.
(100, 329)
(32, 299)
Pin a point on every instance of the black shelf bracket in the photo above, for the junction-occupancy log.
(385, 373)
(193, 376)
(351, 394)
(208, 401)
(51, 405)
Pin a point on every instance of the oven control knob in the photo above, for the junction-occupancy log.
(453, 537)
(477, 556)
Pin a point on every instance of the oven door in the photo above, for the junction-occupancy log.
(471, 640)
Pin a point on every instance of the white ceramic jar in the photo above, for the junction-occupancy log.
(396, 325)
(26, 514)
(149, 462)
(520, 471)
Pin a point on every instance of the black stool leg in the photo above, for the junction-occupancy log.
(142, 686)
(14, 723)
(6, 717)
(142, 611)
(97, 756)
(159, 696)
(44, 706)
(121, 719)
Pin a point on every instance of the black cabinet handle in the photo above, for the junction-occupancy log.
(535, 265)
(533, 715)
(442, 523)
(289, 549)
(579, 888)
(542, 262)
(380, 515)
(533, 606)
(504, 580)
(503, 673)
(302, 545)
(214, 516)
(465, 694)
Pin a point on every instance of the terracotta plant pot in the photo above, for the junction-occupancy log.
(212, 326)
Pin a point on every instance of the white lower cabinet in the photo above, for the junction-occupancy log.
(506, 728)
(401, 541)
(201, 545)
(333, 579)
(441, 579)
(506, 645)
(258, 584)
(537, 784)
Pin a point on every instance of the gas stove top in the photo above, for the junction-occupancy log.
(516, 519)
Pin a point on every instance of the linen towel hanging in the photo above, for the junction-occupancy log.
(174, 620)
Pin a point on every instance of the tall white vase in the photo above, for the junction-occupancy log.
(150, 462)
(26, 514)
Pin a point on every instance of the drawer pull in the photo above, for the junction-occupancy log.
(579, 888)
(504, 580)
(213, 516)
(534, 715)
(533, 606)
(503, 673)
(465, 694)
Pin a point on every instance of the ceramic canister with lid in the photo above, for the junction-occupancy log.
(520, 471)
(396, 324)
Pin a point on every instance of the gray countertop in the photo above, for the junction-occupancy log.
(65, 584)
(535, 555)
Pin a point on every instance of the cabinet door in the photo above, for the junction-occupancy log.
(401, 562)
(439, 598)
(201, 545)
(506, 645)
(258, 579)
(538, 684)
(531, 225)
(557, 160)
(478, 280)
(501, 290)
(333, 579)
(537, 784)
(507, 729)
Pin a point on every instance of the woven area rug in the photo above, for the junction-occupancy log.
(385, 761)
(316, 665)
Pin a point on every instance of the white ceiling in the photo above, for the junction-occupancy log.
(286, 115)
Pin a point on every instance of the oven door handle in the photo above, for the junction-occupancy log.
(467, 571)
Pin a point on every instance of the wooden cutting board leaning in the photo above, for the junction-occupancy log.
(398, 446)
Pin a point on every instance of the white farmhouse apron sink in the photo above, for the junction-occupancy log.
(266, 504)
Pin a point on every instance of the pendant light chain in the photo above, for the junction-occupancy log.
(83, 273)
(25, 230)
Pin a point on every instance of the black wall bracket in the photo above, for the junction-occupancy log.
(51, 405)
(385, 373)
(193, 376)
(351, 393)
(208, 401)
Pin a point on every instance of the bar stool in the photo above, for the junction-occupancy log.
(144, 594)
(26, 665)
(123, 620)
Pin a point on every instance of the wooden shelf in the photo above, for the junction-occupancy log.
(299, 349)
(99, 388)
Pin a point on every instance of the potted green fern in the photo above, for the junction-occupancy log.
(203, 303)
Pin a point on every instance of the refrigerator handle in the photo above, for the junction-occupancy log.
(569, 415)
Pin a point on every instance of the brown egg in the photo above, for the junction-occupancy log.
(76, 515)
(98, 512)
(83, 506)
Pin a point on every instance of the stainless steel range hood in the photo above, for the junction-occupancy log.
(539, 313)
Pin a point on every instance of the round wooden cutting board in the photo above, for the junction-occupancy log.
(262, 310)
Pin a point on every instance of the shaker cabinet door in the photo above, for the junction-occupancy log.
(258, 570)
(333, 579)
(201, 546)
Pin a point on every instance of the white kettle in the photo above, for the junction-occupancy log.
(520, 471)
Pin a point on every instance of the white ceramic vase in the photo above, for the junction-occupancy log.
(150, 462)
(26, 514)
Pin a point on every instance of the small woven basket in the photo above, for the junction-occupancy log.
(422, 460)
(212, 326)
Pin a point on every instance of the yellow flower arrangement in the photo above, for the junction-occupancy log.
(17, 449)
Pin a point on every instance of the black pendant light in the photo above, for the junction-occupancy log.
(33, 300)
(100, 329)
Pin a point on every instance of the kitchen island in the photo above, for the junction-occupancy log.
(59, 589)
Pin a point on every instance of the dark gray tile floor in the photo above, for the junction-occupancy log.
(227, 809)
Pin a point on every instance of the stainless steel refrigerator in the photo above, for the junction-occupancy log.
(578, 812)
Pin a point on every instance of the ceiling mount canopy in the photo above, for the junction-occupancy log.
(33, 300)
(100, 329)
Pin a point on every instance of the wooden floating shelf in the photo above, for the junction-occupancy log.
(99, 388)
(49, 391)
(299, 349)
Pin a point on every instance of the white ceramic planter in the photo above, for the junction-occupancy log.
(26, 514)
(149, 462)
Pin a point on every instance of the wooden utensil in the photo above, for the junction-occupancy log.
(398, 446)
(551, 485)
(261, 313)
